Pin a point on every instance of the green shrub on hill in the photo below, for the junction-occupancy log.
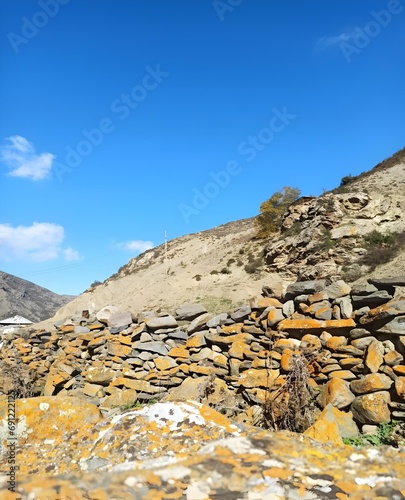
(272, 210)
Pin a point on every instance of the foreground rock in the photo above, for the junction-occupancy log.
(189, 451)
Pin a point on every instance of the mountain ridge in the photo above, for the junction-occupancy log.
(22, 297)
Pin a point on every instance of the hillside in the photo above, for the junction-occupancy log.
(18, 296)
(321, 237)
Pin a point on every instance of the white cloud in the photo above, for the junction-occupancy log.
(136, 245)
(71, 255)
(20, 157)
(329, 41)
(37, 243)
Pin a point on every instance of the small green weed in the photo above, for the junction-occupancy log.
(382, 437)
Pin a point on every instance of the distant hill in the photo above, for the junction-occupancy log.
(351, 233)
(18, 296)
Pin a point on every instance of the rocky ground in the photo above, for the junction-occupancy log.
(324, 358)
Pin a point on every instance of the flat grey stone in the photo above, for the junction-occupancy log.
(383, 282)
(373, 299)
(120, 320)
(178, 334)
(241, 313)
(307, 287)
(154, 347)
(189, 311)
(157, 323)
(199, 323)
(218, 320)
(395, 327)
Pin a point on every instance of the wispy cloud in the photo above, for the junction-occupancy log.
(136, 245)
(19, 155)
(40, 242)
(71, 255)
(329, 41)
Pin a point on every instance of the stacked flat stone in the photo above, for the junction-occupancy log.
(355, 339)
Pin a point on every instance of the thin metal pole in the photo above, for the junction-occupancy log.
(166, 254)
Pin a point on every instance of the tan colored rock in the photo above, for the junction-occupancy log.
(281, 344)
(372, 382)
(400, 387)
(100, 375)
(332, 425)
(274, 316)
(232, 329)
(164, 363)
(372, 408)
(239, 350)
(179, 352)
(348, 363)
(265, 302)
(196, 340)
(342, 374)
(374, 356)
(314, 324)
(258, 378)
(311, 342)
(44, 418)
(337, 392)
(399, 369)
(119, 350)
(93, 390)
(124, 398)
(334, 342)
(393, 358)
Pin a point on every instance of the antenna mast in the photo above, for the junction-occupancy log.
(166, 271)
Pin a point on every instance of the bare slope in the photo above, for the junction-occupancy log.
(18, 296)
(225, 266)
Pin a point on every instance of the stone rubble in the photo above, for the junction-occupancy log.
(353, 342)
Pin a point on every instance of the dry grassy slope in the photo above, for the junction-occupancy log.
(195, 261)
(194, 264)
(388, 179)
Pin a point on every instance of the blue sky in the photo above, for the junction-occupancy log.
(122, 119)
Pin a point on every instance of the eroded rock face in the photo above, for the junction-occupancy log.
(323, 236)
(187, 450)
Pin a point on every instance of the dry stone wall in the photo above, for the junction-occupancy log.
(352, 340)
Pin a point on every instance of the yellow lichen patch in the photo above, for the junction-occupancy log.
(45, 418)
(124, 339)
(265, 302)
(399, 369)
(400, 387)
(67, 328)
(179, 352)
(335, 342)
(339, 323)
(238, 350)
(119, 350)
(348, 487)
(213, 416)
(235, 328)
(299, 324)
(277, 473)
(163, 363)
(196, 340)
(257, 378)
